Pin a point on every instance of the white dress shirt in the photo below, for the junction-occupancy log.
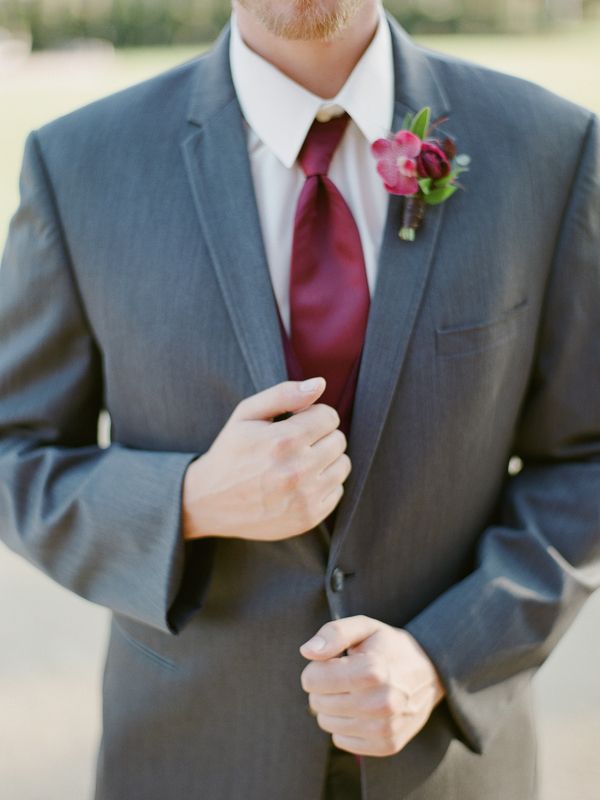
(278, 114)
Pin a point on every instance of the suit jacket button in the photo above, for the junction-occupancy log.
(337, 580)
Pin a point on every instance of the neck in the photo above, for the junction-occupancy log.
(320, 66)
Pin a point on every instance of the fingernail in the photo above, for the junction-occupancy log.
(310, 385)
(316, 644)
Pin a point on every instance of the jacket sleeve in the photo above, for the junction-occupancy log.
(536, 567)
(104, 523)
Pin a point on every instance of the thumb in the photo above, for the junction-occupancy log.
(333, 638)
(287, 396)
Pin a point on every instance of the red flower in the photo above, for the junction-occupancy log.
(433, 162)
(396, 162)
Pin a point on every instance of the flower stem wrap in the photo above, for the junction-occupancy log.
(412, 216)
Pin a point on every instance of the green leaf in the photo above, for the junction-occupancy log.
(421, 122)
(441, 182)
(451, 177)
(407, 122)
(425, 185)
(438, 196)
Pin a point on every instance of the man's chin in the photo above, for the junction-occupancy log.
(304, 20)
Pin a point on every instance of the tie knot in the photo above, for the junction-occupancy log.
(320, 145)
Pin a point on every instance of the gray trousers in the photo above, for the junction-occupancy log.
(343, 776)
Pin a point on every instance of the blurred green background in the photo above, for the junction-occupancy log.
(135, 22)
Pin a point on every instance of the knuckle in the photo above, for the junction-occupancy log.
(332, 499)
(322, 722)
(347, 465)
(399, 731)
(386, 704)
(373, 671)
(305, 507)
(384, 729)
(305, 681)
(338, 470)
(363, 620)
(334, 631)
(330, 415)
(339, 441)
(282, 446)
(290, 478)
(314, 704)
(390, 746)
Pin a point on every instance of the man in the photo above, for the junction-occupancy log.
(213, 258)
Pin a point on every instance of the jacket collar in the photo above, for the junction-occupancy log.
(280, 112)
(415, 84)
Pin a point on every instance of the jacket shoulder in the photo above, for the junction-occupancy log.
(507, 102)
(129, 113)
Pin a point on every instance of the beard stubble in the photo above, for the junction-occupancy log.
(306, 20)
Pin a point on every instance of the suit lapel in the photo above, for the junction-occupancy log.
(218, 169)
(403, 269)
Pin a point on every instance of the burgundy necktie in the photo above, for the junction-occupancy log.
(329, 292)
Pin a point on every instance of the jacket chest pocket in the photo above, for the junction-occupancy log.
(460, 340)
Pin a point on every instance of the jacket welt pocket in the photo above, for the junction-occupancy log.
(465, 339)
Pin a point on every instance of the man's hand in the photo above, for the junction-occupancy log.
(378, 697)
(266, 480)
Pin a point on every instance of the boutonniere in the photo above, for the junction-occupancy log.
(421, 168)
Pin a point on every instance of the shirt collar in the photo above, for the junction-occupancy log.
(281, 112)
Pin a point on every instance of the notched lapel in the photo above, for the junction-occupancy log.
(218, 168)
(401, 281)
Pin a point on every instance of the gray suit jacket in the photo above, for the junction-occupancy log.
(135, 279)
